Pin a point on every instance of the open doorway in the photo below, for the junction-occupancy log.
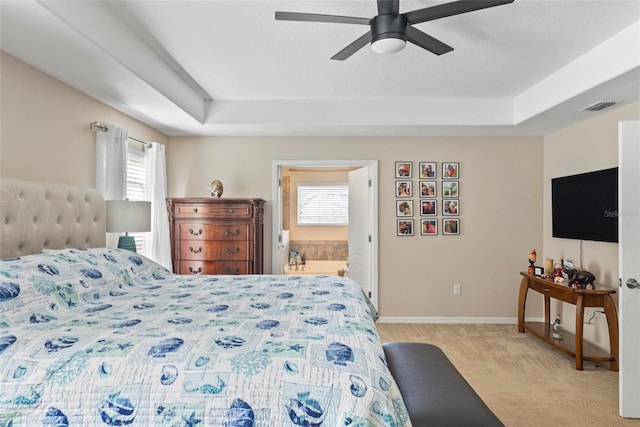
(362, 235)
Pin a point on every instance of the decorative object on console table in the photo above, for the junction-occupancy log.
(216, 236)
(548, 268)
(580, 278)
(128, 216)
(532, 261)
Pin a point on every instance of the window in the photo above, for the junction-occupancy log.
(136, 183)
(323, 204)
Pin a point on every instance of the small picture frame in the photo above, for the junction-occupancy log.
(538, 271)
(404, 227)
(404, 170)
(450, 189)
(450, 226)
(451, 207)
(404, 188)
(427, 170)
(450, 170)
(404, 207)
(428, 207)
(429, 226)
(428, 188)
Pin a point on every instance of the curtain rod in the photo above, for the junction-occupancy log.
(103, 128)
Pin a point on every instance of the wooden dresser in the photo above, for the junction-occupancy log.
(216, 236)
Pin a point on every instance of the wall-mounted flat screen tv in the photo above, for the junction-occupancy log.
(585, 206)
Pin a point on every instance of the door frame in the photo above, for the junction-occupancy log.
(276, 217)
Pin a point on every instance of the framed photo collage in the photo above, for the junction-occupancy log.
(427, 198)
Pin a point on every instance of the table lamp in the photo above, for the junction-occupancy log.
(128, 216)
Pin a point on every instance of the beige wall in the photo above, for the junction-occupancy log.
(587, 146)
(501, 211)
(44, 127)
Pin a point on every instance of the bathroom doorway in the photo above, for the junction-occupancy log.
(362, 235)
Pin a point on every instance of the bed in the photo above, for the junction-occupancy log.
(98, 336)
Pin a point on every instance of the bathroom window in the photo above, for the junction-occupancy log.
(323, 204)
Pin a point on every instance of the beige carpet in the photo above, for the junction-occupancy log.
(523, 380)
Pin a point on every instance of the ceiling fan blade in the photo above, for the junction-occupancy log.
(451, 9)
(388, 7)
(315, 17)
(355, 46)
(425, 41)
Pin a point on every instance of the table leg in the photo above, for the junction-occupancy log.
(612, 322)
(579, 330)
(522, 300)
(547, 310)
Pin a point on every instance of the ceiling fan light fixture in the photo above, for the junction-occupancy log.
(388, 45)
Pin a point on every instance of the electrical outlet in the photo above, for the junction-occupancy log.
(457, 289)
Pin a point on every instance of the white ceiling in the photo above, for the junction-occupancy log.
(229, 68)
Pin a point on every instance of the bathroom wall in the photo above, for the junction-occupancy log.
(316, 243)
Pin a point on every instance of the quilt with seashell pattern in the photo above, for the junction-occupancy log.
(107, 337)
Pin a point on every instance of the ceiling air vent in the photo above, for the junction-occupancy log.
(600, 105)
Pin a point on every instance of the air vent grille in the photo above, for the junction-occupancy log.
(600, 105)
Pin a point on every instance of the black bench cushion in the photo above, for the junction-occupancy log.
(435, 393)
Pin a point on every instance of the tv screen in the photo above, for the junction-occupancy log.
(585, 206)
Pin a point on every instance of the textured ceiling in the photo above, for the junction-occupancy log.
(229, 68)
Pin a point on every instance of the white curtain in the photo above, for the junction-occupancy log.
(111, 167)
(158, 242)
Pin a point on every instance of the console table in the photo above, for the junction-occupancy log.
(572, 344)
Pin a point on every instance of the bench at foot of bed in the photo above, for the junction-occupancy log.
(435, 393)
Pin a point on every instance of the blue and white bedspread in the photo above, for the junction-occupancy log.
(107, 337)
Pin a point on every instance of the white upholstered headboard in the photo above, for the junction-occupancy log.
(37, 216)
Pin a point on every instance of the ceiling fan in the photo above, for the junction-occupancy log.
(390, 29)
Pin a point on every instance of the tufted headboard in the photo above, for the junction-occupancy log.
(37, 216)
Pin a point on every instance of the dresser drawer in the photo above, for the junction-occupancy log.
(219, 231)
(214, 267)
(227, 210)
(214, 250)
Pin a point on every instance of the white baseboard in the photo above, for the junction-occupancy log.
(458, 320)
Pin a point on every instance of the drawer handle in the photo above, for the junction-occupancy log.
(228, 270)
(546, 289)
(194, 233)
(195, 210)
(192, 271)
(230, 210)
(231, 251)
(228, 232)
(195, 251)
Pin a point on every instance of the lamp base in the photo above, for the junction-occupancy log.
(127, 242)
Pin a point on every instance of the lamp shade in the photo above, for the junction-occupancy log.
(128, 216)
